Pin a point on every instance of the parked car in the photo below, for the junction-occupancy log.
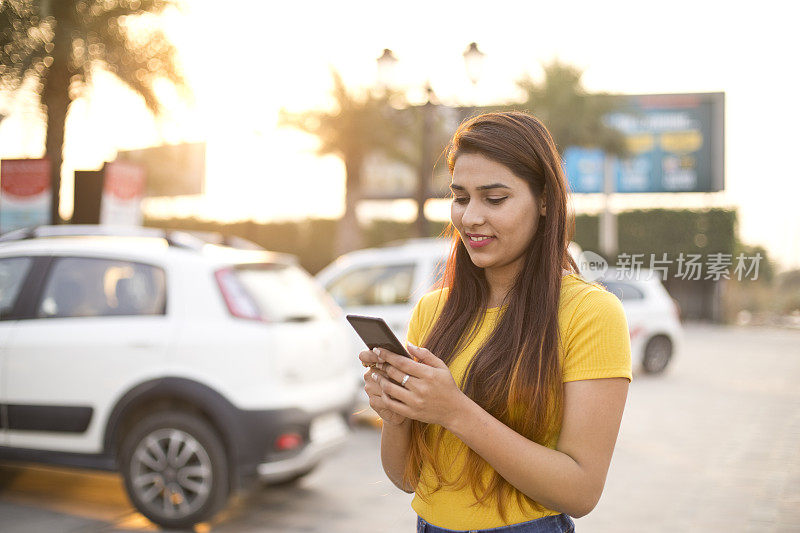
(190, 368)
(387, 282)
(653, 317)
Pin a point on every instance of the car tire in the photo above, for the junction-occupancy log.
(657, 354)
(175, 469)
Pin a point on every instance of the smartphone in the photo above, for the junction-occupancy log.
(375, 332)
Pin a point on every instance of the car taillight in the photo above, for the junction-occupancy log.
(288, 441)
(239, 303)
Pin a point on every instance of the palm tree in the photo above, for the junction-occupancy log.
(575, 118)
(60, 44)
(357, 126)
(573, 115)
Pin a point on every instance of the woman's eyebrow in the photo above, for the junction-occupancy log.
(481, 187)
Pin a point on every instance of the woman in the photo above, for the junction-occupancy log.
(508, 415)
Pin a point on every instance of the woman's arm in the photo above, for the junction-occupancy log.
(569, 479)
(396, 430)
(395, 441)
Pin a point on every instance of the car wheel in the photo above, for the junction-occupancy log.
(175, 469)
(657, 354)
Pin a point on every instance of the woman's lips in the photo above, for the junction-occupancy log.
(480, 243)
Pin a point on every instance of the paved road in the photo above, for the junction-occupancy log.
(712, 445)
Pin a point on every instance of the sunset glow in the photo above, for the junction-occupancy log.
(246, 64)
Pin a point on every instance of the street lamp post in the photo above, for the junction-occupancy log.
(426, 162)
(473, 61)
(386, 66)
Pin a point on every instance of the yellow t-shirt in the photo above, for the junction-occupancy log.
(595, 343)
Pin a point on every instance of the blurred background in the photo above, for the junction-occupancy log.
(316, 129)
(271, 121)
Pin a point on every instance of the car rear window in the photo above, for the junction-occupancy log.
(284, 293)
(623, 291)
(373, 285)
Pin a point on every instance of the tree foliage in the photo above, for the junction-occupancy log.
(60, 45)
(357, 125)
(572, 114)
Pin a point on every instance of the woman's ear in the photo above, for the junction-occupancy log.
(542, 206)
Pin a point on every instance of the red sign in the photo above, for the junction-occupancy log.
(23, 178)
(124, 180)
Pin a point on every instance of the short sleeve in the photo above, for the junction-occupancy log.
(598, 343)
(415, 325)
(423, 316)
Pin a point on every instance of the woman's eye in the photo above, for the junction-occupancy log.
(460, 200)
(496, 201)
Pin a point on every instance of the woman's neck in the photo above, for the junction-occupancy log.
(500, 281)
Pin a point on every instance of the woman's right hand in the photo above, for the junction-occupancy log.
(372, 387)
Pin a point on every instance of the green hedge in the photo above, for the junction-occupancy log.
(670, 231)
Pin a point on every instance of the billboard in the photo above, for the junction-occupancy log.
(172, 170)
(24, 193)
(675, 143)
(123, 189)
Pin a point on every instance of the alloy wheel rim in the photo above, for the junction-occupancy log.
(171, 473)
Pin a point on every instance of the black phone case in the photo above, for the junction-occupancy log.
(375, 332)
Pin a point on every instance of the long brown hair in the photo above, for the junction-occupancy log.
(516, 374)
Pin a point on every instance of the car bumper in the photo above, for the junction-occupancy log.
(328, 433)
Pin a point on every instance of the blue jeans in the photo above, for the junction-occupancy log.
(559, 523)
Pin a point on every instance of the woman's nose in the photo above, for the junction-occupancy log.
(473, 215)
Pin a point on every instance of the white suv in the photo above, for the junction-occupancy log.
(189, 367)
(387, 282)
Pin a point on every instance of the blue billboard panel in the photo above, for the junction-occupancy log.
(675, 144)
(584, 169)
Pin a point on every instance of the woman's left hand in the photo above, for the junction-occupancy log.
(430, 393)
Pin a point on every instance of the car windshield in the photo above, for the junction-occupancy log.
(284, 293)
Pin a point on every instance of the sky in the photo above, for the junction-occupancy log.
(247, 62)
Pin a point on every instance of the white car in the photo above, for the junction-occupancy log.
(387, 282)
(189, 367)
(653, 317)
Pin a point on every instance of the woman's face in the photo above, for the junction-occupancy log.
(494, 211)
